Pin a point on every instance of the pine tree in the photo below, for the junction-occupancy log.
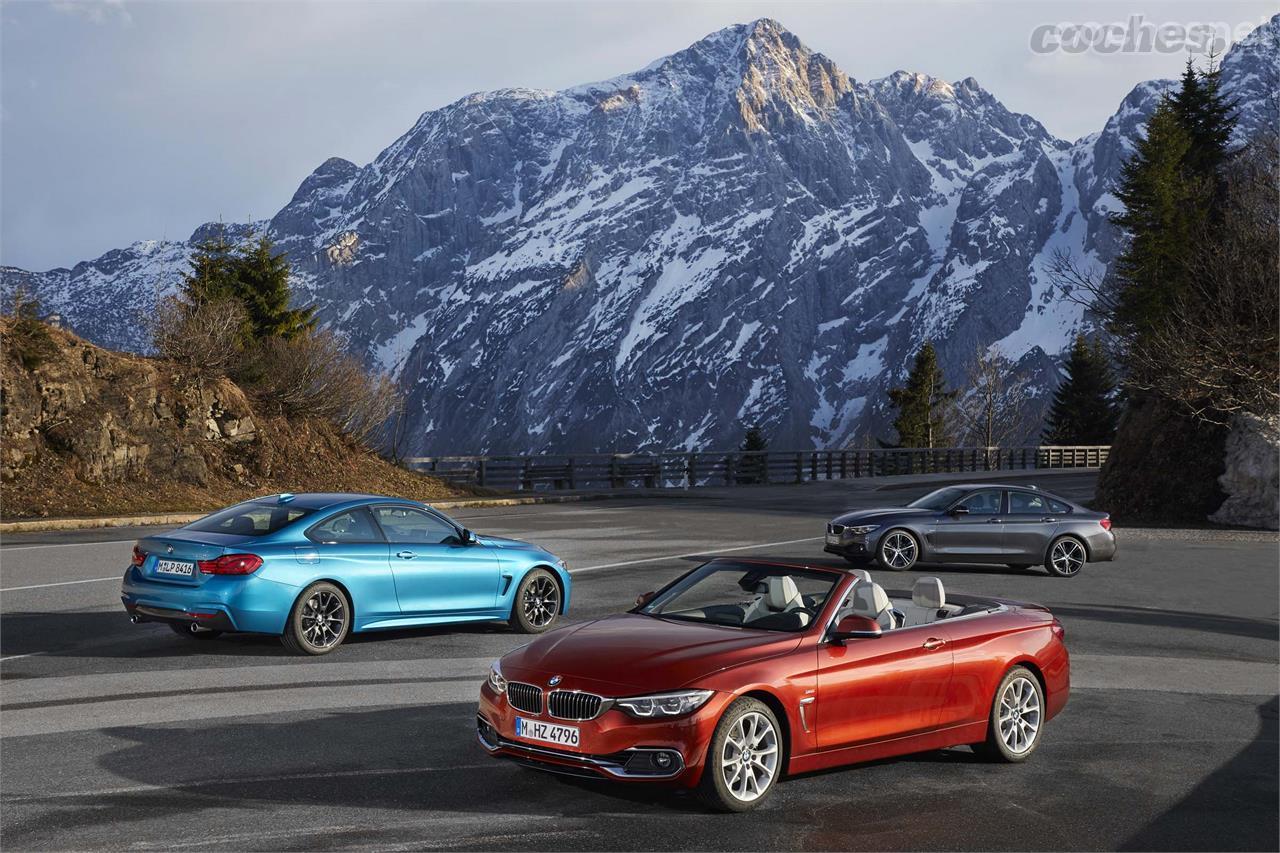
(263, 281)
(922, 403)
(752, 468)
(212, 275)
(1084, 409)
(1207, 116)
(1164, 209)
(256, 277)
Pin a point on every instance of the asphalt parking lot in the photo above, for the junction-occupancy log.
(128, 736)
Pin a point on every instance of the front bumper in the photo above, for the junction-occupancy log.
(614, 746)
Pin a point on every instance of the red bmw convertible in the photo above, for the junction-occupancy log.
(742, 671)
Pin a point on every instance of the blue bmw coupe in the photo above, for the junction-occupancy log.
(312, 568)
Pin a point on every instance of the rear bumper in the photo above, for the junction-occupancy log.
(1102, 546)
(249, 604)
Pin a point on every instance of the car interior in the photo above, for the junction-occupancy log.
(928, 603)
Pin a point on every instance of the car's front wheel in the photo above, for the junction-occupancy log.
(899, 550)
(1017, 718)
(537, 603)
(1067, 557)
(744, 759)
(319, 622)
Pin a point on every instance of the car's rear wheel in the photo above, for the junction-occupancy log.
(744, 759)
(319, 622)
(899, 550)
(536, 604)
(1066, 557)
(1017, 718)
(195, 632)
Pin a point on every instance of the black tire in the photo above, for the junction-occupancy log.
(713, 789)
(1066, 556)
(893, 554)
(1001, 745)
(319, 621)
(184, 628)
(537, 603)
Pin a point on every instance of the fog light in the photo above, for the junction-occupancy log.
(663, 760)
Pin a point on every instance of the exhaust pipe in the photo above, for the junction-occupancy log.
(135, 618)
(193, 628)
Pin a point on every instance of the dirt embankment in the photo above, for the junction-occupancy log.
(90, 432)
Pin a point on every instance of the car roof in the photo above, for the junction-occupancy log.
(324, 500)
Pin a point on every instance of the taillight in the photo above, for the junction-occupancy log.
(1106, 523)
(139, 556)
(231, 564)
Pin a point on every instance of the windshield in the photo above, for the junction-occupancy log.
(939, 498)
(746, 595)
(252, 518)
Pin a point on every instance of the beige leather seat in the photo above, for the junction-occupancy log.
(927, 599)
(870, 600)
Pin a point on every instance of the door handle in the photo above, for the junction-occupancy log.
(406, 555)
(1047, 518)
(933, 643)
(994, 520)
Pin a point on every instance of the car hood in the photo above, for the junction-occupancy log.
(501, 542)
(871, 516)
(629, 654)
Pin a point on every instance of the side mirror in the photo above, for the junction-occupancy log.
(468, 538)
(644, 598)
(856, 628)
(960, 510)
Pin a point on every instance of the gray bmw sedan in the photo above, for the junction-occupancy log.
(1019, 526)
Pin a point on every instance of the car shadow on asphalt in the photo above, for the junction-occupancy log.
(827, 561)
(1240, 626)
(109, 634)
(1207, 818)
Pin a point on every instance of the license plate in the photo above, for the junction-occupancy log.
(549, 732)
(175, 567)
(833, 539)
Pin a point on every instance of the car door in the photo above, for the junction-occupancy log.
(1029, 525)
(975, 534)
(875, 689)
(348, 547)
(435, 573)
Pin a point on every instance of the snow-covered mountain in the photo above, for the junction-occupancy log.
(737, 233)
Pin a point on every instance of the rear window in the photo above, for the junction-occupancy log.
(250, 519)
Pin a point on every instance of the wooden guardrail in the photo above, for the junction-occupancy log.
(682, 469)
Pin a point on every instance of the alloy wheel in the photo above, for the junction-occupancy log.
(1067, 557)
(323, 618)
(541, 601)
(1019, 718)
(749, 759)
(898, 550)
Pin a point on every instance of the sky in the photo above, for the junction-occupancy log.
(123, 120)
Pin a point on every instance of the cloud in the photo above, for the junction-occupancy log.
(95, 11)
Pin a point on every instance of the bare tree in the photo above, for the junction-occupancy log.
(993, 409)
(316, 375)
(202, 339)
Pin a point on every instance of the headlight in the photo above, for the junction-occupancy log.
(496, 681)
(863, 530)
(664, 704)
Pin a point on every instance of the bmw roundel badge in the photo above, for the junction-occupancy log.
(553, 680)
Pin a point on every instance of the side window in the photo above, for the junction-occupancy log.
(412, 526)
(1058, 507)
(983, 503)
(1027, 503)
(353, 526)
